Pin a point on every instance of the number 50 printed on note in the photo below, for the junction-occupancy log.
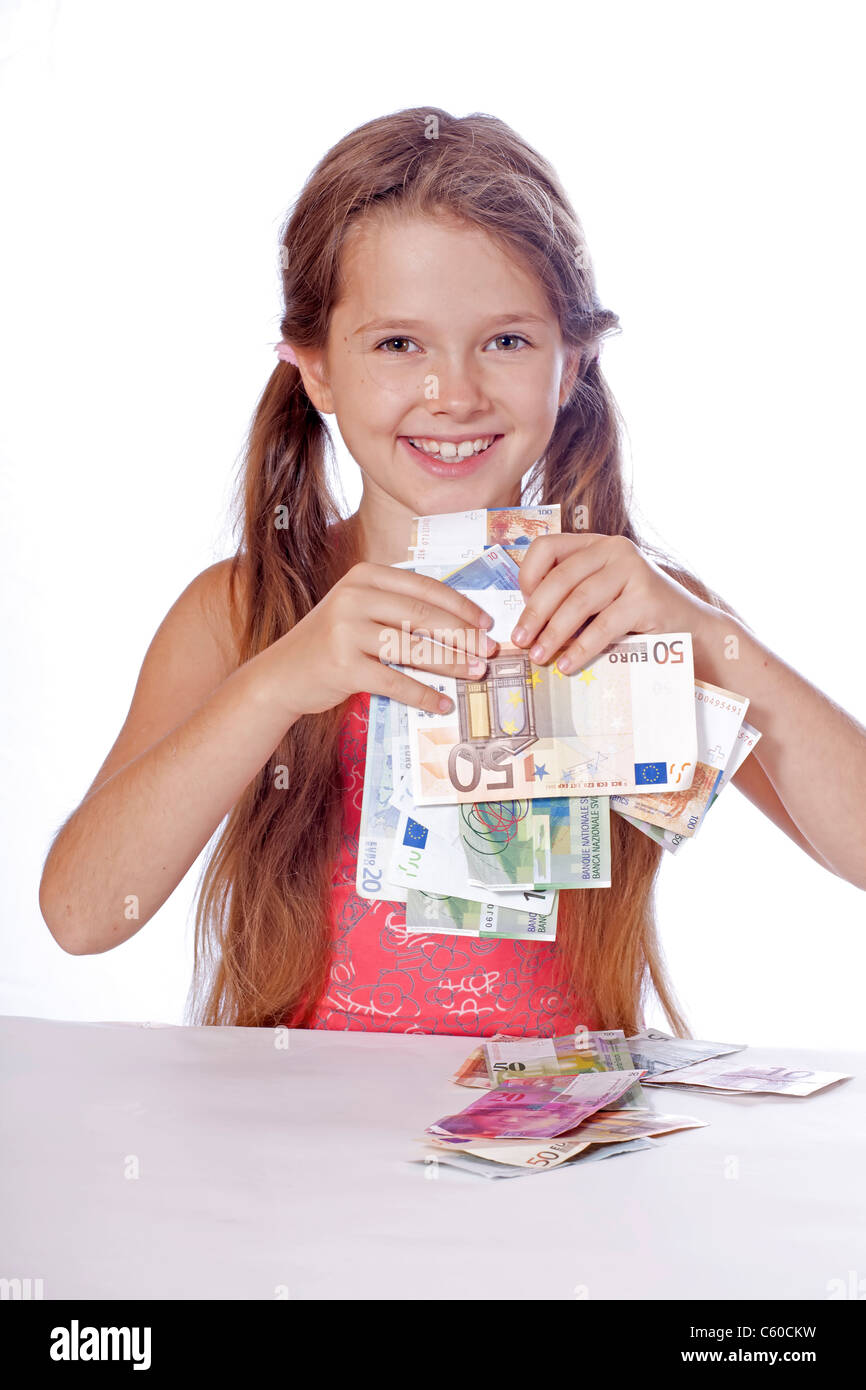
(625, 723)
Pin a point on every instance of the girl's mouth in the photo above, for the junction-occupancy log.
(452, 465)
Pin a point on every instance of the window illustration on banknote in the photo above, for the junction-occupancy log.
(500, 706)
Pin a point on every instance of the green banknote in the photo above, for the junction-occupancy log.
(558, 842)
(432, 913)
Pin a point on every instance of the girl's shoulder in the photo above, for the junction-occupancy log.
(221, 594)
(195, 648)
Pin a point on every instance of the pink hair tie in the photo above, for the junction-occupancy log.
(285, 352)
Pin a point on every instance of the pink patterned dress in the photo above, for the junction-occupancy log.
(384, 979)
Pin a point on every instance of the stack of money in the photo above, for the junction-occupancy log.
(551, 1101)
(476, 819)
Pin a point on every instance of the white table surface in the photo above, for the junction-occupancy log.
(284, 1173)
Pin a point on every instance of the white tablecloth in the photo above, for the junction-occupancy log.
(265, 1172)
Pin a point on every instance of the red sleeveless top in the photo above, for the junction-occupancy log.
(384, 979)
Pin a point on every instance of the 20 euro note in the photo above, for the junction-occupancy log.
(542, 1108)
(420, 859)
(440, 914)
(623, 724)
(719, 714)
(379, 819)
(562, 841)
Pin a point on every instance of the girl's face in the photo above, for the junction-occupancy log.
(440, 338)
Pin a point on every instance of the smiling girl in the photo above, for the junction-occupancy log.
(440, 304)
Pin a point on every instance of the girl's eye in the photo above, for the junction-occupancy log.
(393, 340)
(507, 338)
(511, 337)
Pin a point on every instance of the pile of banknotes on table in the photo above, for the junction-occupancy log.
(477, 818)
(550, 1101)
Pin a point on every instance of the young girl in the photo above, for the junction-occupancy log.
(441, 304)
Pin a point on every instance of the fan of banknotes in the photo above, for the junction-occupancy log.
(477, 818)
(574, 1099)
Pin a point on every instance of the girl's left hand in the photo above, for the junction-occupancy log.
(565, 579)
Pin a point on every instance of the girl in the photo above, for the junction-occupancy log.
(438, 294)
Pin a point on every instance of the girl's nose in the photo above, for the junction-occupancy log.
(459, 386)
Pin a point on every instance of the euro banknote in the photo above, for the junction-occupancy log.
(555, 1154)
(420, 859)
(671, 840)
(379, 819)
(623, 724)
(539, 1109)
(718, 716)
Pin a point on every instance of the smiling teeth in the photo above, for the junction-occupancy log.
(446, 450)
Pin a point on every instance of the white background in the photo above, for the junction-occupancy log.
(150, 155)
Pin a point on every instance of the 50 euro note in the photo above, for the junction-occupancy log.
(436, 914)
(621, 725)
(541, 1108)
(671, 840)
(559, 841)
(718, 716)
(513, 1158)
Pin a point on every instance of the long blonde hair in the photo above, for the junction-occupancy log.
(263, 916)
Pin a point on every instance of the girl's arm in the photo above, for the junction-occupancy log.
(187, 750)
(810, 773)
(200, 727)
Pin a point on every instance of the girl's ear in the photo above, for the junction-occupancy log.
(570, 373)
(311, 365)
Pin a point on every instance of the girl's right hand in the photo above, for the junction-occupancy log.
(342, 645)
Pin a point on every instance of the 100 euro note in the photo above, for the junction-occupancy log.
(672, 841)
(718, 715)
